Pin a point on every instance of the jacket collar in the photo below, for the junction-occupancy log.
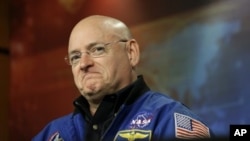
(127, 96)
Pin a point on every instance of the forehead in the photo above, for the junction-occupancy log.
(89, 32)
(83, 36)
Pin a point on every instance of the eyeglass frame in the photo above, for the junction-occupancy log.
(67, 58)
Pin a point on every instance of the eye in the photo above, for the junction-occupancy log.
(98, 50)
(75, 57)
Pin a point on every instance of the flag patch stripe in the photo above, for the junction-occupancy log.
(188, 128)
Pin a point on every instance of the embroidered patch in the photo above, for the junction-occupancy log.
(141, 120)
(56, 137)
(133, 135)
(188, 128)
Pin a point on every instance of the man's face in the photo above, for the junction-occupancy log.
(96, 77)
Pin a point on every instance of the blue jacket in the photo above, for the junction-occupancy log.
(152, 116)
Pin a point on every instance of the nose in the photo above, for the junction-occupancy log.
(86, 61)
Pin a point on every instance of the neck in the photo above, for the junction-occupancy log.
(93, 109)
(93, 102)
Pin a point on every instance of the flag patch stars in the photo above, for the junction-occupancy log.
(189, 128)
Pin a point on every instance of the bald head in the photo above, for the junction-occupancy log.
(107, 25)
(99, 45)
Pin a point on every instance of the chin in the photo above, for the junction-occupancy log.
(91, 90)
(93, 96)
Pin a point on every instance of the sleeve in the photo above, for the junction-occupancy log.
(61, 129)
(179, 122)
(48, 133)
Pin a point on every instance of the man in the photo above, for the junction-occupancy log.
(115, 103)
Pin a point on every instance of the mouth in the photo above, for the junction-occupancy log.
(89, 75)
(90, 82)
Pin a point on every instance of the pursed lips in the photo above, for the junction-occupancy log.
(89, 75)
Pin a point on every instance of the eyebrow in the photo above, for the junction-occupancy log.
(88, 47)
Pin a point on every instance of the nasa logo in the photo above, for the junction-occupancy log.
(141, 120)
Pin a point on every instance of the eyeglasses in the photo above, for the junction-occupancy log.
(95, 51)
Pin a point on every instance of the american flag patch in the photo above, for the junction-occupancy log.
(189, 128)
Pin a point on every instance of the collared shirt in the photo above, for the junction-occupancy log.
(97, 124)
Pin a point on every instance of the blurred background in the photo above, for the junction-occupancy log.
(197, 51)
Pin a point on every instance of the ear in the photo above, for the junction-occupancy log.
(133, 52)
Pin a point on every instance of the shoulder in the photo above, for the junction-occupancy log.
(168, 105)
(185, 123)
(59, 128)
(160, 100)
(58, 121)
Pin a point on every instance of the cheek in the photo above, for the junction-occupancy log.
(119, 66)
(76, 77)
